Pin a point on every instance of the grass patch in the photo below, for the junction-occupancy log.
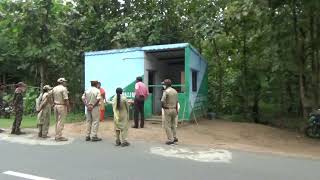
(30, 121)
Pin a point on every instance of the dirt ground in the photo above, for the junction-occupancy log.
(218, 134)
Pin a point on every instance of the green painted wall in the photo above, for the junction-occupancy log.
(182, 101)
(148, 106)
(187, 83)
(200, 107)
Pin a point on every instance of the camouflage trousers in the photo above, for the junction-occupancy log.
(17, 120)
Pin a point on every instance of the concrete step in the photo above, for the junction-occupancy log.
(155, 118)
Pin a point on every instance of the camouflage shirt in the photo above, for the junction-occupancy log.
(18, 99)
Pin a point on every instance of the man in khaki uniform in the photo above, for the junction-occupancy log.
(91, 99)
(44, 111)
(61, 106)
(169, 103)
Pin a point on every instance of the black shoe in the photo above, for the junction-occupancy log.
(95, 139)
(88, 138)
(175, 139)
(125, 144)
(60, 139)
(142, 126)
(118, 143)
(20, 133)
(45, 136)
(134, 126)
(169, 142)
(40, 130)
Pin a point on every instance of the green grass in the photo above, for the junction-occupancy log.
(30, 121)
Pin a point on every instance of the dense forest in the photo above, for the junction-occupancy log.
(263, 55)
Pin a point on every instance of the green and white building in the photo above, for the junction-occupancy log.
(181, 63)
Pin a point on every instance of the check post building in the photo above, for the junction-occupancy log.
(179, 62)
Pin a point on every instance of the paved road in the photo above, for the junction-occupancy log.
(100, 161)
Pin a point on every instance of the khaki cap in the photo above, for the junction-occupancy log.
(47, 87)
(60, 80)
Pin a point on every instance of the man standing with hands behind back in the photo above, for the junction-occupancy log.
(61, 107)
(91, 99)
(169, 103)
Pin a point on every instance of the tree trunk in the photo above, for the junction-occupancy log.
(256, 107)
(220, 76)
(299, 56)
(245, 74)
(42, 74)
(45, 41)
(291, 98)
(314, 64)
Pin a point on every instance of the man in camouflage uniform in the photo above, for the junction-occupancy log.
(61, 106)
(18, 107)
(91, 99)
(169, 102)
(44, 111)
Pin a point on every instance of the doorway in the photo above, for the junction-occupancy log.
(161, 65)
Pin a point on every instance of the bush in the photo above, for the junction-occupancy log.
(30, 100)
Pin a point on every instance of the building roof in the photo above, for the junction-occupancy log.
(145, 48)
(152, 48)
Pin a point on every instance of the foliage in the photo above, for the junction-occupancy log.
(261, 53)
(29, 101)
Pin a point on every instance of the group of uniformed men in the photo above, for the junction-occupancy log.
(58, 98)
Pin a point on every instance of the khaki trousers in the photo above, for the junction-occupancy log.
(93, 122)
(170, 123)
(60, 112)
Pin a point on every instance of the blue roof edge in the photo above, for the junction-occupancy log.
(144, 48)
(147, 48)
(112, 51)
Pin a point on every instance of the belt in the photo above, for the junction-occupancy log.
(59, 104)
(169, 108)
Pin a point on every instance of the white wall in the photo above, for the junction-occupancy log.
(114, 69)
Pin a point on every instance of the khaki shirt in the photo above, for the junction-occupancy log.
(170, 98)
(91, 96)
(60, 94)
